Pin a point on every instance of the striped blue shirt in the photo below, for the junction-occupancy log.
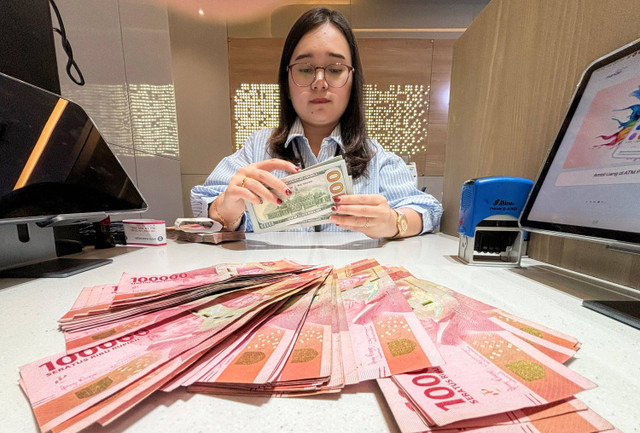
(388, 176)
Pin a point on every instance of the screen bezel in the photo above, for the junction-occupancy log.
(85, 215)
(568, 230)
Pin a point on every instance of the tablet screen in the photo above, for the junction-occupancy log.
(590, 182)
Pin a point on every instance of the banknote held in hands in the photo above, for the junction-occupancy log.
(311, 200)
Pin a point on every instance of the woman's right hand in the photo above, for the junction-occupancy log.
(250, 183)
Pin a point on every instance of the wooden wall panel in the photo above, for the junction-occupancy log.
(441, 80)
(396, 61)
(392, 62)
(439, 106)
(514, 72)
(436, 149)
(254, 60)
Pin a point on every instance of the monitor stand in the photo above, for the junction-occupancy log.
(618, 302)
(29, 251)
(54, 268)
(623, 311)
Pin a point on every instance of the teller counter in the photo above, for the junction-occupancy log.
(29, 310)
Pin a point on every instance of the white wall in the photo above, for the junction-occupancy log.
(122, 48)
(201, 77)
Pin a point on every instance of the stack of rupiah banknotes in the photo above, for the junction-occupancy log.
(445, 362)
(201, 230)
(311, 200)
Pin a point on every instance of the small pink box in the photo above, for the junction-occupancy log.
(145, 232)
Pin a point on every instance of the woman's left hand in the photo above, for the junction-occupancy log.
(366, 213)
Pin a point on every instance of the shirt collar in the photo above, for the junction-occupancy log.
(298, 131)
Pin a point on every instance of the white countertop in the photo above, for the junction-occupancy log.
(29, 310)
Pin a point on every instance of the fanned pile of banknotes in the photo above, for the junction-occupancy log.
(311, 200)
(444, 362)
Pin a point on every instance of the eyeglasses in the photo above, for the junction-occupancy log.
(335, 74)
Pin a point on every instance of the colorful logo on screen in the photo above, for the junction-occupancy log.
(626, 126)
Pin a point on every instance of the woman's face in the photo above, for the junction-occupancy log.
(320, 105)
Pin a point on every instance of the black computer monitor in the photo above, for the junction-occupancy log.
(55, 169)
(589, 184)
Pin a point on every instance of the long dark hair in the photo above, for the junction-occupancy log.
(352, 124)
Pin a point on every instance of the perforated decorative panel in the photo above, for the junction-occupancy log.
(396, 114)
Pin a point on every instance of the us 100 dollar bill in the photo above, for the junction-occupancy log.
(311, 200)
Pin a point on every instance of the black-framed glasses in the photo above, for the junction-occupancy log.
(335, 74)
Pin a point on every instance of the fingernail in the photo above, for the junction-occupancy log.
(296, 168)
(334, 208)
(287, 191)
(279, 201)
(336, 199)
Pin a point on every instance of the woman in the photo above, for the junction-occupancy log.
(321, 116)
